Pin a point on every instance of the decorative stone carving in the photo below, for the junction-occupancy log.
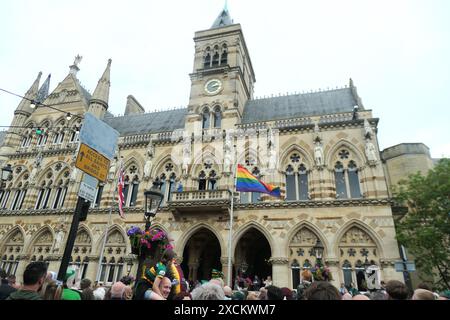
(304, 236)
(45, 238)
(36, 166)
(318, 153)
(4, 228)
(115, 238)
(367, 129)
(371, 151)
(279, 260)
(356, 235)
(83, 237)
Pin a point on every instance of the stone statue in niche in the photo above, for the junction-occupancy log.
(318, 153)
(371, 151)
(36, 166)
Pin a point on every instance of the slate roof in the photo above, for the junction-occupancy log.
(2, 137)
(299, 105)
(148, 122)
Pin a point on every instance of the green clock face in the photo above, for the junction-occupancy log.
(213, 86)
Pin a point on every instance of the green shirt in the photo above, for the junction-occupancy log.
(69, 294)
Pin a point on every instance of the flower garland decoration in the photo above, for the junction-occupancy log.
(321, 272)
(152, 238)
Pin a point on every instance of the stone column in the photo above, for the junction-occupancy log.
(280, 271)
(333, 265)
(225, 269)
(92, 267)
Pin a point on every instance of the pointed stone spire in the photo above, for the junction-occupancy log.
(43, 91)
(223, 19)
(24, 105)
(99, 101)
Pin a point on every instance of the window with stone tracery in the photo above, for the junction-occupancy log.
(346, 176)
(19, 191)
(41, 249)
(166, 181)
(112, 264)
(296, 175)
(252, 197)
(81, 251)
(10, 252)
(131, 186)
(356, 249)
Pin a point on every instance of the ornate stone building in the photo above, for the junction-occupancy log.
(320, 147)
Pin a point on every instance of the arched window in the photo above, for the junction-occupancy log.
(207, 61)
(212, 182)
(112, 262)
(81, 251)
(346, 176)
(20, 193)
(296, 179)
(347, 271)
(217, 117)
(131, 188)
(216, 57)
(224, 55)
(339, 176)
(172, 182)
(205, 118)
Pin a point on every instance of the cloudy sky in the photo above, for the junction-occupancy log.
(397, 53)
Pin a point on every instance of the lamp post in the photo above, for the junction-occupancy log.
(129, 266)
(153, 200)
(318, 249)
(6, 171)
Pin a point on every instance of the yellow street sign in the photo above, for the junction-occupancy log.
(92, 163)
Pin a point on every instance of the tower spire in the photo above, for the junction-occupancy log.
(223, 19)
(43, 91)
(24, 105)
(99, 101)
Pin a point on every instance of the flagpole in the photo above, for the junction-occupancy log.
(231, 228)
(97, 278)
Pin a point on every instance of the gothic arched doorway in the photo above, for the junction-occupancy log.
(252, 255)
(200, 255)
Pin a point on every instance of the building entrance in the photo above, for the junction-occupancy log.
(201, 254)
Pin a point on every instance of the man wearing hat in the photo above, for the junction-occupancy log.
(70, 294)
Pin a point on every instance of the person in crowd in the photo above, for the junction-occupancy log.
(183, 296)
(208, 291)
(287, 293)
(12, 282)
(68, 293)
(165, 286)
(218, 281)
(343, 289)
(360, 297)
(228, 292)
(346, 296)
(268, 281)
(322, 290)
(352, 290)
(119, 291)
(33, 278)
(127, 280)
(274, 293)
(153, 275)
(256, 283)
(99, 291)
(378, 295)
(396, 290)
(262, 293)
(53, 290)
(252, 296)
(422, 294)
(86, 291)
(238, 295)
(5, 288)
(425, 286)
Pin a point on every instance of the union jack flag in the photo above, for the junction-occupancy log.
(120, 186)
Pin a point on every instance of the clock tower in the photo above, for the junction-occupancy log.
(223, 78)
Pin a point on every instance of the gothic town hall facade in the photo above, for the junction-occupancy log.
(320, 147)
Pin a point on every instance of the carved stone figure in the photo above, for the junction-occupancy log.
(59, 238)
(36, 167)
(272, 158)
(77, 60)
(186, 155)
(367, 129)
(148, 166)
(371, 151)
(73, 174)
(318, 153)
(112, 169)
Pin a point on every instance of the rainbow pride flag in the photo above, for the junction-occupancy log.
(247, 182)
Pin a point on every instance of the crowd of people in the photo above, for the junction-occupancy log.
(41, 284)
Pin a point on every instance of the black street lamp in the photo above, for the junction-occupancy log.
(6, 172)
(153, 201)
(129, 266)
(318, 249)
